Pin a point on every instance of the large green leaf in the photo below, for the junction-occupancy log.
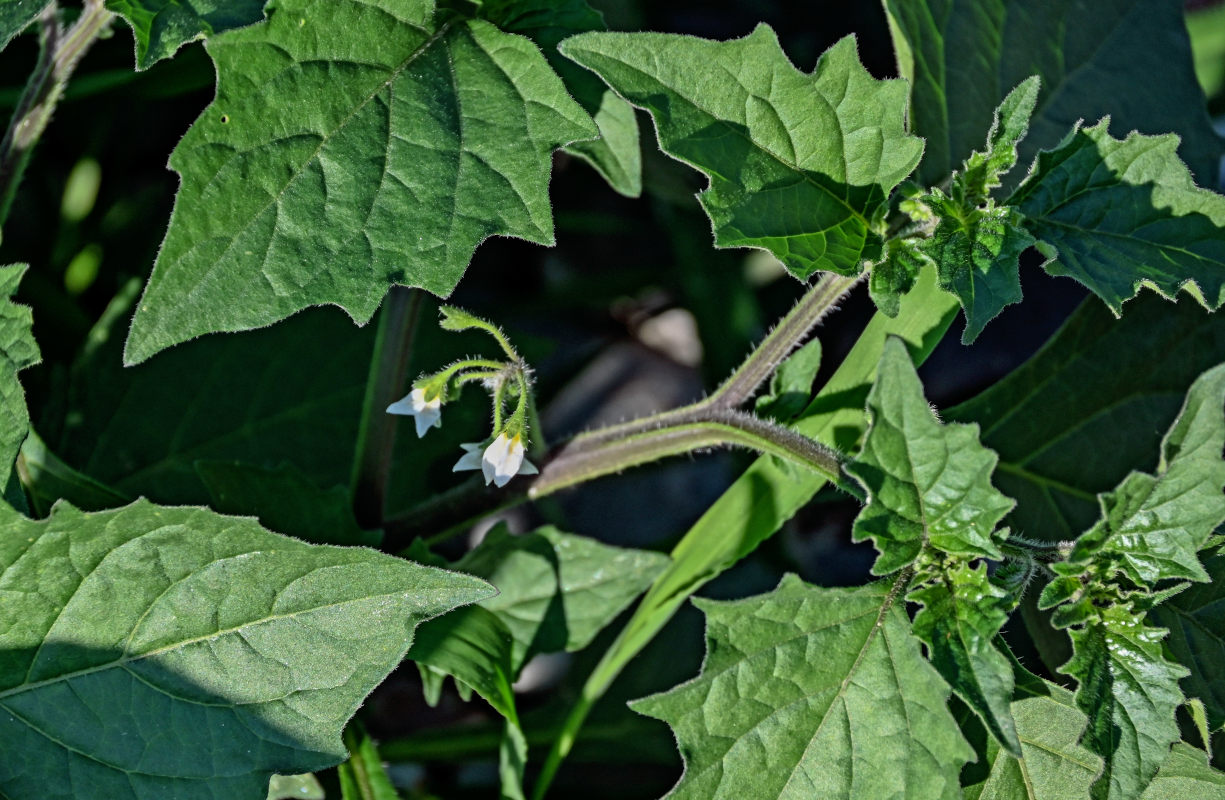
(163, 26)
(617, 154)
(1129, 59)
(1117, 213)
(928, 484)
(16, 15)
(177, 652)
(353, 145)
(18, 350)
(799, 164)
(812, 692)
(1186, 775)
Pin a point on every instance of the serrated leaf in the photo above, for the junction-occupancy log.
(977, 252)
(799, 164)
(616, 155)
(812, 692)
(1128, 59)
(895, 274)
(1154, 525)
(1196, 620)
(16, 16)
(284, 500)
(361, 775)
(1115, 214)
(1186, 774)
(1130, 692)
(161, 27)
(963, 610)
(928, 484)
(354, 145)
(177, 652)
(984, 169)
(791, 384)
(18, 350)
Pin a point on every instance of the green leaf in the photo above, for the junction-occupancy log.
(1128, 59)
(17, 351)
(963, 610)
(161, 27)
(984, 169)
(473, 645)
(353, 145)
(1186, 774)
(362, 776)
(16, 15)
(616, 155)
(48, 479)
(895, 274)
(1115, 214)
(1196, 619)
(1130, 692)
(285, 500)
(978, 252)
(1154, 525)
(812, 692)
(928, 484)
(295, 787)
(791, 384)
(799, 164)
(177, 652)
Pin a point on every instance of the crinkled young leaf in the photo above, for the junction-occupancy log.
(617, 154)
(1128, 59)
(16, 15)
(1185, 775)
(983, 170)
(18, 350)
(1114, 214)
(928, 484)
(799, 164)
(354, 145)
(161, 27)
(1154, 525)
(812, 692)
(963, 610)
(1130, 692)
(174, 652)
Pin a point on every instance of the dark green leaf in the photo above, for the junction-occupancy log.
(928, 484)
(285, 501)
(812, 692)
(474, 645)
(177, 652)
(810, 199)
(353, 145)
(48, 479)
(17, 351)
(1128, 59)
(963, 610)
(163, 26)
(16, 15)
(1114, 214)
(895, 274)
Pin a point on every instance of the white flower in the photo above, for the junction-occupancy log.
(426, 413)
(502, 460)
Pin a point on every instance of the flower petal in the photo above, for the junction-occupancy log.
(471, 459)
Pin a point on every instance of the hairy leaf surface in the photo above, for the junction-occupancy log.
(799, 164)
(18, 350)
(812, 692)
(163, 26)
(177, 652)
(16, 15)
(1186, 774)
(928, 484)
(353, 145)
(1114, 214)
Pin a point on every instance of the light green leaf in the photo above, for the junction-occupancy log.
(284, 500)
(1186, 775)
(799, 164)
(353, 145)
(1128, 59)
(863, 717)
(984, 169)
(361, 775)
(791, 384)
(1115, 214)
(928, 484)
(963, 610)
(295, 787)
(17, 351)
(1052, 765)
(16, 15)
(1196, 619)
(1129, 691)
(978, 252)
(177, 652)
(161, 27)
(616, 155)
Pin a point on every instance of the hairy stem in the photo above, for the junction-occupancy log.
(61, 52)
(376, 431)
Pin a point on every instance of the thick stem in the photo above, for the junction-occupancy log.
(376, 431)
(61, 52)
